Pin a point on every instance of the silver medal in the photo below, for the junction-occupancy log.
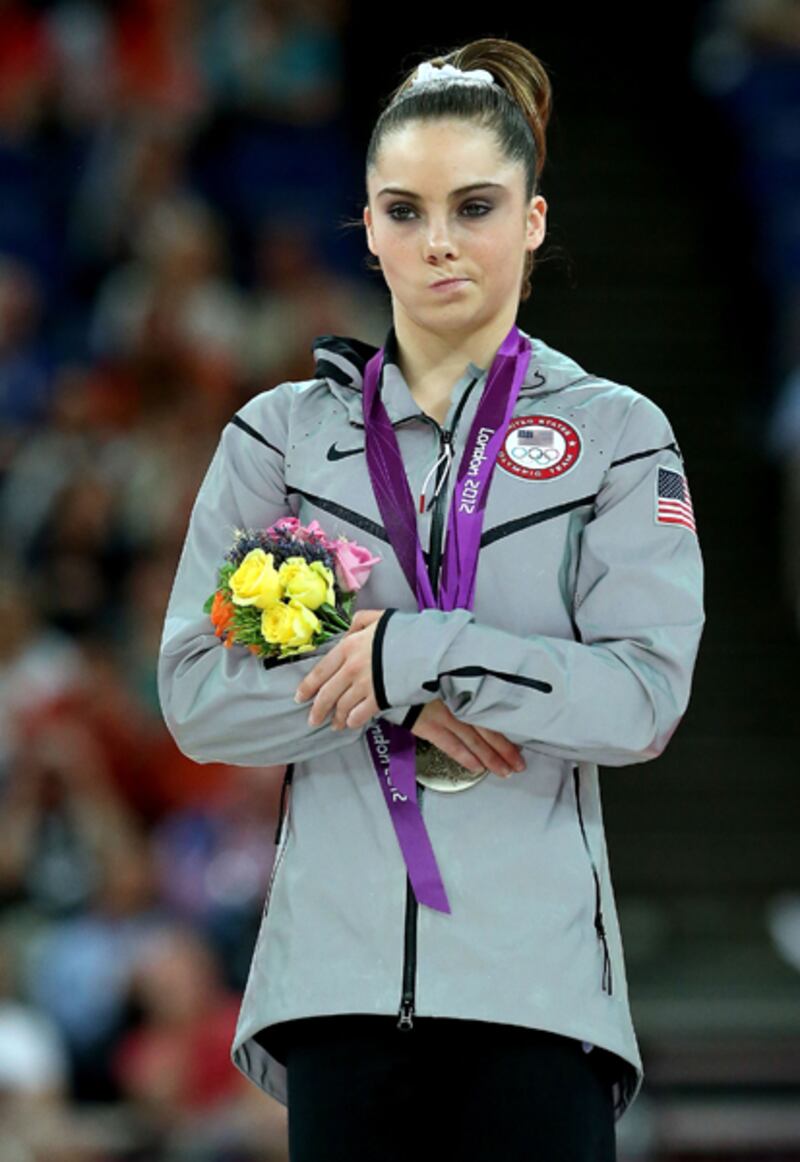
(437, 770)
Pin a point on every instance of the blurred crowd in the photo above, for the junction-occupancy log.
(747, 60)
(168, 172)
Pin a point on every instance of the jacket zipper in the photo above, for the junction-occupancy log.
(280, 832)
(406, 1013)
(599, 925)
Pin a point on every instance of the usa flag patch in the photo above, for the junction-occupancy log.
(673, 500)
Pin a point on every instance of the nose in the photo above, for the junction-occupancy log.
(438, 243)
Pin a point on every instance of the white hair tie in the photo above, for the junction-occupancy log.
(428, 75)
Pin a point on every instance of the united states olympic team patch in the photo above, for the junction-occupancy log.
(539, 447)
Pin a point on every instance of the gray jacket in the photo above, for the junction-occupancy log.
(581, 646)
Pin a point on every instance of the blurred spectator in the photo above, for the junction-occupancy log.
(78, 969)
(33, 1056)
(38, 664)
(61, 816)
(213, 862)
(175, 1066)
(76, 444)
(172, 307)
(294, 299)
(277, 57)
(132, 165)
(156, 57)
(26, 68)
(36, 1122)
(25, 366)
(82, 61)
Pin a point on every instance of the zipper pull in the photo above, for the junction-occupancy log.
(601, 932)
(406, 1014)
(447, 455)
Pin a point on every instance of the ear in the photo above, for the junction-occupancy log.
(537, 222)
(368, 225)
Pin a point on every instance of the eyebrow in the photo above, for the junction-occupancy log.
(460, 190)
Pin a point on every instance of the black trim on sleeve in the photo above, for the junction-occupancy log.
(412, 715)
(534, 518)
(476, 671)
(243, 424)
(377, 659)
(335, 509)
(648, 452)
(270, 663)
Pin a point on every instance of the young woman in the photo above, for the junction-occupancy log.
(448, 973)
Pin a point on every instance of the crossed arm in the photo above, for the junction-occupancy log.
(341, 684)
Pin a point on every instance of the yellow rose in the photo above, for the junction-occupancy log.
(291, 625)
(256, 581)
(310, 583)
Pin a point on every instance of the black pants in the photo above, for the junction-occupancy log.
(362, 1090)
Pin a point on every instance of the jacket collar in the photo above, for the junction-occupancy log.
(341, 361)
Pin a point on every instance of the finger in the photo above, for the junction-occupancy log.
(458, 750)
(364, 617)
(351, 697)
(317, 677)
(327, 697)
(362, 713)
(493, 758)
(509, 751)
(484, 753)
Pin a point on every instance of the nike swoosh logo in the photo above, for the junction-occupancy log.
(335, 454)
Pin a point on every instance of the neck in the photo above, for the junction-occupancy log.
(432, 362)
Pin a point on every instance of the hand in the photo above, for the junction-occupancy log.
(342, 680)
(475, 747)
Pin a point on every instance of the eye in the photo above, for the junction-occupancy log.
(391, 212)
(399, 206)
(479, 206)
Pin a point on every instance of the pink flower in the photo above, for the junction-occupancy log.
(289, 524)
(314, 532)
(353, 564)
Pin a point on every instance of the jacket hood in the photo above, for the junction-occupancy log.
(341, 360)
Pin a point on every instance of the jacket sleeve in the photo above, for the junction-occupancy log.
(228, 705)
(616, 693)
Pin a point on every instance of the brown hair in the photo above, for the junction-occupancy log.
(517, 111)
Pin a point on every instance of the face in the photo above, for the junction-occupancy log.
(432, 231)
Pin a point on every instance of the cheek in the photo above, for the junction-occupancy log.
(503, 257)
(397, 255)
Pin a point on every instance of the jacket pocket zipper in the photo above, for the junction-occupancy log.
(281, 834)
(599, 925)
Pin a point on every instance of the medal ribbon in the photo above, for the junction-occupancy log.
(393, 748)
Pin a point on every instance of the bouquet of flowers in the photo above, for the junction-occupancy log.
(286, 589)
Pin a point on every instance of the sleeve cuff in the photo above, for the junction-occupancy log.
(377, 660)
(414, 644)
(404, 716)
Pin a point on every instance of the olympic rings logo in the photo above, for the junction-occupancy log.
(538, 455)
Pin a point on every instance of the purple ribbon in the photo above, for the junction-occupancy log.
(393, 748)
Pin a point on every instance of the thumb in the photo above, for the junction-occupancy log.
(364, 617)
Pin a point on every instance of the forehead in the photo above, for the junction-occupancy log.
(437, 156)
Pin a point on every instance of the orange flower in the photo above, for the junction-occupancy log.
(222, 611)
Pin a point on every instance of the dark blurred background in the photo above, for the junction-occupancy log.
(175, 183)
